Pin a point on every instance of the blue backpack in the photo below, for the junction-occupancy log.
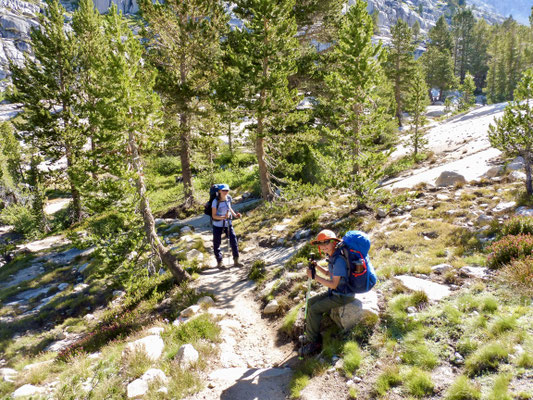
(354, 249)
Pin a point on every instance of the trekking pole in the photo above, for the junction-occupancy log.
(312, 267)
(227, 236)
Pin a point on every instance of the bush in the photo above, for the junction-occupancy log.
(516, 226)
(166, 166)
(106, 224)
(525, 360)
(520, 272)
(307, 220)
(419, 355)
(509, 248)
(463, 389)
(487, 358)
(21, 217)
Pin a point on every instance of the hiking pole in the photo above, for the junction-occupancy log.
(227, 236)
(312, 267)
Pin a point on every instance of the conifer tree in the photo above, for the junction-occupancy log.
(11, 150)
(400, 63)
(479, 61)
(47, 86)
(184, 38)
(357, 113)
(437, 60)
(513, 132)
(462, 30)
(467, 88)
(417, 102)
(131, 110)
(264, 53)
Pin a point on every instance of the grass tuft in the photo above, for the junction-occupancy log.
(503, 324)
(258, 271)
(463, 389)
(290, 319)
(486, 358)
(525, 360)
(419, 383)
(390, 377)
(489, 304)
(500, 389)
(352, 357)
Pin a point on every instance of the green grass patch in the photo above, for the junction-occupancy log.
(257, 272)
(525, 360)
(418, 383)
(306, 369)
(192, 332)
(500, 389)
(352, 357)
(290, 319)
(486, 358)
(390, 377)
(418, 354)
(503, 324)
(463, 389)
(489, 304)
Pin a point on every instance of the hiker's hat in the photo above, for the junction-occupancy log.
(224, 186)
(324, 236)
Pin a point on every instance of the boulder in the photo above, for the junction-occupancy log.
(206, 301)
(494, 171)
(271, 308)
(362, 309)
(185, 229)
(152, 374)
(187, 355)
(30, 367)
(137, 388)
(516, 165)
(28, 390)
(434, 291)
(474, 272)
(190, 311)
(504, 207)
(524, 211)
(517, 176)
(441, 268)
(152, 345)
(450, 178)
(484, 219)
(302, 234)
(442, 197)
(8, 374)
(156, 330)
(280, 228)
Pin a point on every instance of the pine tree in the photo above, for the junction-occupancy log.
(11, 150)
(357, 113)
(264, 53)
(48, 87)
(437, 60)
(400, 63)
(513, 132)
(131, 110)
(417, 102)
(184, 38)
(479, 60)
(467, 88)
(416, 31)
(462, 30)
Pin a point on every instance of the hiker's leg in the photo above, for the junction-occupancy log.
(233, 242)
(217, 239)
(315, 308)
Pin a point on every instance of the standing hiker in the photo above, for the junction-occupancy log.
(349, 272)
(222, 214)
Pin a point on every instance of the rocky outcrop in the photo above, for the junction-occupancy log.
(364, 309)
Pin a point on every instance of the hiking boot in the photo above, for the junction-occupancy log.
(311, 349)
(220, 265)
(236, 262)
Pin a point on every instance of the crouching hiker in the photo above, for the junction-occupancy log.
(349, 272)
(222, 214)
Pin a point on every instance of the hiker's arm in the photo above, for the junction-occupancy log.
(215, 216)
(324, 271)
(235, 215)
(331, 283)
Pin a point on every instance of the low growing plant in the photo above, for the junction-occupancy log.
(419, 383)
(520, 272)
(509, 248)
(463, 389)
(500, 389)
(390, 377)
(258, 271)
(352, 357)
(486, 358)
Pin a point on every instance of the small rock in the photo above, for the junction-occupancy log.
(156, 330)
(272, 307)
(504, 207)
(524, 211)
(29, 367)
(280, 228)
(62, 286)
(248, 249)
(494, 171)
(441, 268)
(484, 219)
(411, 310)
(80, 287)
(517, 176)
(442, 197)
(8, 374)
(83, 268)
(186, 229)
(190, 311)
(195, 254)
(152, 345)
(118, 293)
(450, 178)
(187, 355)
(382, 213)
(137, 388)
(473, 272)
(153, 374)
(458, 358)
(28, 390)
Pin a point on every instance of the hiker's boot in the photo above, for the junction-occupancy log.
(236, 262)
(220, 265)
(310, 349)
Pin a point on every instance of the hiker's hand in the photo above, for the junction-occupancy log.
(238, 215)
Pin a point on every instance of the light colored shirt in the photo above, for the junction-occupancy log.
(222, 210)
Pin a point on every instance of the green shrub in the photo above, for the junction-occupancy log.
(520, 272)
(463, 389)
(509, 248)
(516, 226)
(258, 271)
(499, 390)
(108, 223)
(21, 217)
(352, 357)
(298, 382)
(419, 383)
(486, 358)
(308, 219)
(198, 328)
(166, 166)
(390, 377)
(290, 319)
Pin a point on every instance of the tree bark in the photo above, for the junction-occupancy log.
(527, 166)
(167, 258)
(76, 198)
(266, 189)
(185, 143)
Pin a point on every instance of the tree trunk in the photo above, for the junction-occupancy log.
(76, 198)
(266, 189)
(185, 139)
(527, 166)
(167, 258)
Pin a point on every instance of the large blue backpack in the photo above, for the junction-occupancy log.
(354, 249)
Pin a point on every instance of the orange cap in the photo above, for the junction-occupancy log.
(324, 236)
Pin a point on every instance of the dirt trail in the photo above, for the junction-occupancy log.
(250, 348)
